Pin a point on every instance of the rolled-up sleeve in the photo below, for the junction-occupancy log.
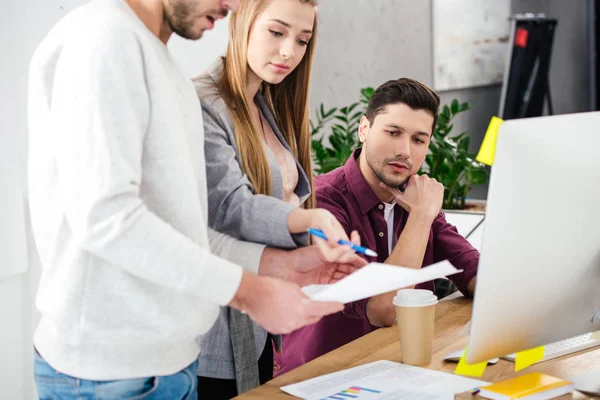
(245, 254)
(333, 201)
(357, 309)
(452, 246)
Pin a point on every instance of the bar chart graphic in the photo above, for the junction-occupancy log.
(353, 392)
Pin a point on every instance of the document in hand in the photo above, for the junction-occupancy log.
(383, 380)
(376, 278)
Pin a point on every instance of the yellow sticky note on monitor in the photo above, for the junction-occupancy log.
(528, 357)
(487, 151)
(474, 370)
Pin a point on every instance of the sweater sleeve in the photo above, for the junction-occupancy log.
(101, 114)
(332, 200)
(452, 246)
(246, 254)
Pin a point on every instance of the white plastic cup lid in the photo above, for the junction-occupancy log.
(414, 298)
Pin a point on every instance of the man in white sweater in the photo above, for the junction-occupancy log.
(118, 205)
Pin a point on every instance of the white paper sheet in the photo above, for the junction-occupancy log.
(376, 278)
(383, 380)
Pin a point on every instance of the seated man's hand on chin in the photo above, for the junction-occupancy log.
(323, 265)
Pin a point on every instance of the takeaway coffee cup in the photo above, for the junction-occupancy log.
(415, 311)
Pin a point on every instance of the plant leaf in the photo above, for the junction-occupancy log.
(463, 144)
(341, 118)
(366, 94)
(357, 115)
(352, 107)
(329, 113)
(479, 176)
(341, 128)
(454, 106)
(446, 112)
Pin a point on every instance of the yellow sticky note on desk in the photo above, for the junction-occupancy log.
(528, 357)
(487, 151)
(474, 370)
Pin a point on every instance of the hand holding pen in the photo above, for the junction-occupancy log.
(330, 231)
(359, 249)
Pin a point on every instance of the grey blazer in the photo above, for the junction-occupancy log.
(235, 210)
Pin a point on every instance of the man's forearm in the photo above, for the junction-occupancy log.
(471, 286)
(408, 252)
(412, 243)
(276, 263)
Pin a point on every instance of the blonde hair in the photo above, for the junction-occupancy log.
(288, 101)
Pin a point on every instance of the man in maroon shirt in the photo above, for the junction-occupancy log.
(396, 212)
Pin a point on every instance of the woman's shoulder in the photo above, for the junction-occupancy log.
(207, 88)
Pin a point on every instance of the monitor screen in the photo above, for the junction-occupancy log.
(539, 273)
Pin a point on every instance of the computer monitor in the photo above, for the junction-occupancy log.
(539, 273)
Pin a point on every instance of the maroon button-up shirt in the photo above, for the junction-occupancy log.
(346, 194)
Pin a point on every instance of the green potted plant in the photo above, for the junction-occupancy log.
(449, 160)
(343, 137)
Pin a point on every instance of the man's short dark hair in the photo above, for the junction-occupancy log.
(404, 91)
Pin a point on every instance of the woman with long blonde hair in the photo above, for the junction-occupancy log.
(258, 164)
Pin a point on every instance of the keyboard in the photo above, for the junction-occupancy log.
(567, 346)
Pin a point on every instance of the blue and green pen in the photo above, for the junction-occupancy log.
(359, 249)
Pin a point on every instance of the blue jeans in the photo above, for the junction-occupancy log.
(51, 384)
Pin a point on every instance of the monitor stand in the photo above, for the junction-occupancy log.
(588, 383)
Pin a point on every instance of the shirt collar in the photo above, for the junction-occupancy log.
(358, 184)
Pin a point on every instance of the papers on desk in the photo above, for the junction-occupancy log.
(383, 380)
(376, 278)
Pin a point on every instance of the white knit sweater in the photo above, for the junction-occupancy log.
(118, 201)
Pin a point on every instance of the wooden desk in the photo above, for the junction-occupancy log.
(450, 335)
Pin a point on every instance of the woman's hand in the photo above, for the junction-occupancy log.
(300, 220)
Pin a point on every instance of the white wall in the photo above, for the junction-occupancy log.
(24, 23)
(195, 56)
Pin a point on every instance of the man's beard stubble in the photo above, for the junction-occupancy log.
(391, 183)
(177, 16)
(381, 175)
